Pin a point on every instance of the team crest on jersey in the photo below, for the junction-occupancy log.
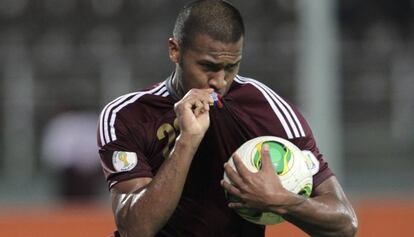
(124, 161)
(311, 161)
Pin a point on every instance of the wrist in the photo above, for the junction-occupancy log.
(188, 142)
(190, 138)
(292, 202)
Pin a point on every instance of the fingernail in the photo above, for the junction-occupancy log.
(265, 147)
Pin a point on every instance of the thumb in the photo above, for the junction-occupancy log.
(266, 160)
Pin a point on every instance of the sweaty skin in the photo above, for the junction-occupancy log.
(328, 213)
(142, 206)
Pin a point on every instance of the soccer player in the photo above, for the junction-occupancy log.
(164, 150)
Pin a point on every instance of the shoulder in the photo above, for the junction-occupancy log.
(246, 83)
(135, 100)
(254, 89)
(269, 103)
(249, 82)
(132, 108)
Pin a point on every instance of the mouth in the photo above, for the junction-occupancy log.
(220, 92)
(218, 102)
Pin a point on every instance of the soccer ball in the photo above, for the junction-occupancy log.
(291, 164)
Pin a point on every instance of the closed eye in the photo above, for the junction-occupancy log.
(210, 66)
(215, 67)
(231, 67)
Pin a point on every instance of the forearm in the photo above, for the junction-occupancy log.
(146, 212)
(323, 215)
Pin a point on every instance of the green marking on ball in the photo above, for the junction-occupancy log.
(279, 154)
(287, 161)
(306, 191)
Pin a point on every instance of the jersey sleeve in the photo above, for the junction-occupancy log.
(121, 150)
(308, 143)
(290, 124)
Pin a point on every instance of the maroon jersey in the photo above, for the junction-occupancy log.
(137, 131)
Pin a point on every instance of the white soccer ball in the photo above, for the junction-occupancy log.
(292, 165)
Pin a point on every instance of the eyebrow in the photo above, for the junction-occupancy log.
(211, 63)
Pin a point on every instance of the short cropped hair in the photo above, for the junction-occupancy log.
(216, 18)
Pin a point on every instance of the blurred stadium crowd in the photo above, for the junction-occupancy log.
(76, 55)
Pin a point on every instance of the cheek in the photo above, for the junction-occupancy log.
(229, 82)
(231, 75)
(195, 78)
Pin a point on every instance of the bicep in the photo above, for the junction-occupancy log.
(331, 194)
(124, 195)
(331, 187)
(131, 186)
(126, 190)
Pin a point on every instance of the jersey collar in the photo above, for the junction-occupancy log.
(170, 88)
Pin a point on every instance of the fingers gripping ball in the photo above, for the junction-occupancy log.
(289, 162)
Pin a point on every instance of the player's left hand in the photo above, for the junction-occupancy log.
(260, 190)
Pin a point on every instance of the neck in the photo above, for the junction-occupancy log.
(177, 85)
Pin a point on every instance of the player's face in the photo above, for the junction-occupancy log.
(208, 63)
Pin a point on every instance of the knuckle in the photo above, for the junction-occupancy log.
(243, 187)
(228, 168)
(176, 106)
(193, 91)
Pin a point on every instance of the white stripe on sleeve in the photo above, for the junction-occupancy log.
(109, 113)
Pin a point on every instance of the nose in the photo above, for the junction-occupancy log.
(218, 80)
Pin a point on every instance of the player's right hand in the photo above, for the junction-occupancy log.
(193, 112)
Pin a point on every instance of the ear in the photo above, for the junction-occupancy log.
(174, 50)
